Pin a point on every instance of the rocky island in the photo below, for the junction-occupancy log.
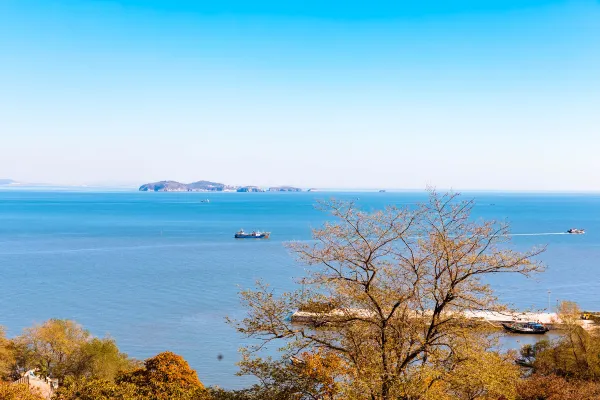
(173, 186)
(284, 189)
(253, 189)
(208, 186)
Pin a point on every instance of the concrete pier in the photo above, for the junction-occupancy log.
(495, 319)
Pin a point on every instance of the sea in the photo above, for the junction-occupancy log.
(162, 271)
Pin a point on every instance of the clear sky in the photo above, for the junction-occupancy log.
(469, 94)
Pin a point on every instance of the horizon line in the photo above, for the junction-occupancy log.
(305, 189)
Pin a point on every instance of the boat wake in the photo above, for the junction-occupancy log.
(539, 234)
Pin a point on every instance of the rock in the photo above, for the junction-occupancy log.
(284, 189)
(208, 186)
(250, 189)
(173, 186)
(164, 186)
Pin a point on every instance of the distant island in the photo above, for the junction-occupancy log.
(173, 186)
(284, 189)
(208, 186)
(253, 189)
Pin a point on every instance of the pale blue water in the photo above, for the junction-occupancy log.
(160, 271)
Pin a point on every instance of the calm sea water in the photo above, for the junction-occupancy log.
(160, 271)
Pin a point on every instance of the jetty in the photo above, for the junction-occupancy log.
(493, 318)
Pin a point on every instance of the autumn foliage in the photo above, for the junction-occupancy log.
(553, 387)
(400, 280)
(17, 392)
(386, 293)
(165, 376)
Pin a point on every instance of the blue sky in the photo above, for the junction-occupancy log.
(453, 93)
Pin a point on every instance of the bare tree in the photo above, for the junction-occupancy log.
(395, 284)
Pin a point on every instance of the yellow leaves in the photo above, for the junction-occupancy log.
(323, 368)
(60, 348)
(10, 391)
(538, 387)
(55, 337)
(7, 355)
(573, 355)
(569, 313)
(412, 271)
(95, 389)
(50, 346)
(165, 376)
(481, 375)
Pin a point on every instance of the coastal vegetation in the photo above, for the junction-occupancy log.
(562, 369)
(397, 281)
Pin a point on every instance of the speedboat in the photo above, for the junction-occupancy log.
(576, 231)
(526, 327)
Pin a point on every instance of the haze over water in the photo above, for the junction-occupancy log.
(160, 271)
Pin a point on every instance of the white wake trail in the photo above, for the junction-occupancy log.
(539, 234)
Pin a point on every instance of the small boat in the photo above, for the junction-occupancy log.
(252, 235)
(205, 201)
(526, 327)
(576, 231)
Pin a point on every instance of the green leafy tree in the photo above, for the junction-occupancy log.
(99, 358)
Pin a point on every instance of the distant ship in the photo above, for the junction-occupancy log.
(382, 191)
(576, 231)
(252, 235)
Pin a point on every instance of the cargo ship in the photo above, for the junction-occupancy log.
(252, 235)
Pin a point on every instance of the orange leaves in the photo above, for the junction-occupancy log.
(323, 368)
(165, 376)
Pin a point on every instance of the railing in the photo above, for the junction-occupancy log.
(46, 386)
(23, 379)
